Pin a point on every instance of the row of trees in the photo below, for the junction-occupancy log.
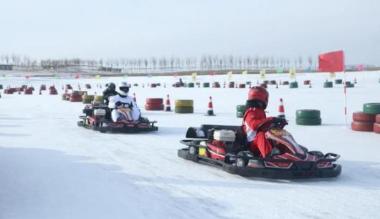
(162, 64)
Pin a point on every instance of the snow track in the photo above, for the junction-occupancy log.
(50, 168)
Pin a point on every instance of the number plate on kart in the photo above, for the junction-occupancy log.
(202, 151)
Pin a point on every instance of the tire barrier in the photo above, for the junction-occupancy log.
(308, 117)
(338, 81)
(240, 111)
(272, 82)
(306, 82)
(371, 108)
(87, 99)
(154, 104)
(88, 86)
(349, 84)
(98, 99)
(231, 84)
(206, 85)
(363, 117)
(1, 86)
(293, 84)
(184, 106)
(43, 87)
(285, 83)
(376, 128)
(28, 91)
(362, 126)
(241, 85)
(216, 85)
(377, 119)
(190, 85)
(76, 96)
(328, 84)
(53, 90)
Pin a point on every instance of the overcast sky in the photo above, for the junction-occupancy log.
(145, 28)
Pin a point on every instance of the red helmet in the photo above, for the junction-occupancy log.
(258, 94)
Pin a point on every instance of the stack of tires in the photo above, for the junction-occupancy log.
(206, 84)
(1, 86)
(376, 125)
(293, 84)
(98, 99)
(154, 104)
(240, 110)
(306, 82)
(216, 85)
(184, 106)
(368, 120)
(231, 84)
(76, 96)
(285, 83)
(363, 122)
(308, 117)
(349, 84)
(87, 99)
(328, 84)
(29, 91)
(190, 85)
(338, 81)
(53, 91)
(88, 86)
(241, 85)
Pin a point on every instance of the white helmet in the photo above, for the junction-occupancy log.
(123, 88)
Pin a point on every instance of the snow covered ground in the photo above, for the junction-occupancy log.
(50, 168)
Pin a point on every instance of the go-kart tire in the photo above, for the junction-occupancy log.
(80, 123)
(376, 128)
(308, 113)
(363, 117)
(239, 114)
(183, 109)
(154, 107)
(241, 162)
(184, 103)
(308, 121)
(154, 101)
(371, 108)
(293, 84)
(328, 84)
(362, 126)
(377, 119)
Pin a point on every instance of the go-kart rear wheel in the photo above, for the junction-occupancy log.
(80, 123)
(193, 150)
(241, 162)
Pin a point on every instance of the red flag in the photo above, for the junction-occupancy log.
(331, 61)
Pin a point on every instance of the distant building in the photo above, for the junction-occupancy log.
(110, 69)
(6, 67)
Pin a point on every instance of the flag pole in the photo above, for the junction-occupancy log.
(345, 97)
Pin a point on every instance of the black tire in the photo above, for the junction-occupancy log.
(80, 123)
(308, 113)
(241, 162)
(308, 121)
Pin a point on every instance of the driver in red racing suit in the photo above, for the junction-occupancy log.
(255, 122)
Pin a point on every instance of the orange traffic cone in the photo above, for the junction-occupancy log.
(167, 104)
(281, 109)
(210, 111)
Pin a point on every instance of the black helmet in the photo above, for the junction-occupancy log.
(111, 86)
